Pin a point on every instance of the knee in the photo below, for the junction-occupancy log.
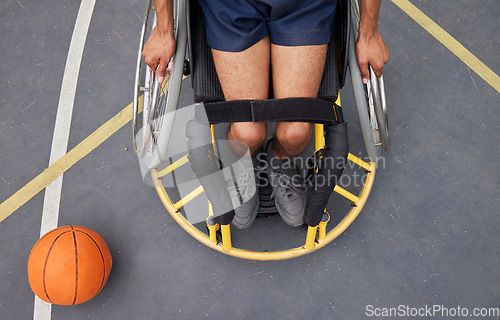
(252, 134)
(253, 138)
(294, 134)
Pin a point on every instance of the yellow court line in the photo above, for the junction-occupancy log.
(36, 185)
(449, 42)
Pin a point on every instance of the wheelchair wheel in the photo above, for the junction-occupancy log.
(376, 97)
(370, 98)
(152, 129)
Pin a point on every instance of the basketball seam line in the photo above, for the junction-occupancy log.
(76, 265)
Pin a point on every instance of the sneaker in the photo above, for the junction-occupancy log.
(289, 190)
(242, 188)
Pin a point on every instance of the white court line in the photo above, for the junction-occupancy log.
(50, 214)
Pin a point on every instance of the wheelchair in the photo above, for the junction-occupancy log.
(182, 182)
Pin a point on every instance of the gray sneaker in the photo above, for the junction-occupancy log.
(244, 194)
(289, 191)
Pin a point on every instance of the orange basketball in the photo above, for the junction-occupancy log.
(69, 265)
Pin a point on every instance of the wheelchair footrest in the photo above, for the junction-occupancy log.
(266, 203)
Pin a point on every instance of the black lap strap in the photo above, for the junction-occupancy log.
(288, 109)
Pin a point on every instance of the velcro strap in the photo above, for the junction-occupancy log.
(273, 110)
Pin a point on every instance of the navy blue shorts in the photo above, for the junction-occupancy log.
(236, 25)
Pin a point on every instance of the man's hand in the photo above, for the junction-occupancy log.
(370, 47)
(371, 50)
(158, 51)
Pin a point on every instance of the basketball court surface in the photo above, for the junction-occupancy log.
(426, 238)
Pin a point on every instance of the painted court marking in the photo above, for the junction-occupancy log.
(52, 200)
(50, 174)
(24, 194)
(65, 112)
(449, 42)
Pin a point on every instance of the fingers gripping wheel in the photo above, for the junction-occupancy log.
(155, 104)
(370, 98)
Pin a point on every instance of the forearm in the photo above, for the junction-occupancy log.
(164, 16)
(369, 13)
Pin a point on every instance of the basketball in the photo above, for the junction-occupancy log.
(69, 265)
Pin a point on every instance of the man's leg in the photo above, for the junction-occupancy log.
(245, 75)
(297, 72)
